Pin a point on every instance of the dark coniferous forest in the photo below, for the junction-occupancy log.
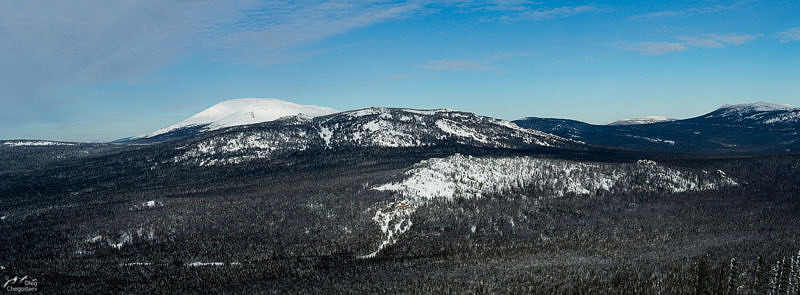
(396, 201)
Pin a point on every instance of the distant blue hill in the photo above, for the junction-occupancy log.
(746, 129)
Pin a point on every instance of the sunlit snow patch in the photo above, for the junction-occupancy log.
(457, 176)
(393, 220)
(35, 143)
(146, 205)
(199, 264)
(372, 127)
(136, 264)
(126, 237)
(245, 111)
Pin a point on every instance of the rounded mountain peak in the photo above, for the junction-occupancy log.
(758, 107)
(245, 111)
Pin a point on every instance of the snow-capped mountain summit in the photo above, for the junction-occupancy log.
(242, 111)
(638, 121)
(760, 113)
(757, 107)
(374, 127)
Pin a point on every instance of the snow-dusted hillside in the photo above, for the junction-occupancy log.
(244, 111)
(758, 113)
(457, 176)
(19, 143)
(757, 107)
(639, 121)
(371, 127)
(446, 179)
(754, 128)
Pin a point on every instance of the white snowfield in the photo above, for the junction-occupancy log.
(192, 264)
(124, 238)
(639, 121)
(760, 112)
(370, 127)
(146, 205)
(469, 177)
(245, 111)
(653, 140)
(787, 117)
(199, 264)
(457, 176)
(35, 143)
(758, 107)
(136, 264)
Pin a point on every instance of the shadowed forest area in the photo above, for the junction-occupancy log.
(299, 224)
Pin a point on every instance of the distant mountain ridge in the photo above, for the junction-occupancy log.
(645, 120)
(759, 113)
(365, 128)
(744, 129)
(756, 128)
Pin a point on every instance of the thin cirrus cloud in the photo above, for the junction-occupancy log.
(653, 48)
(410, 76)
(483, 63)
(449, 64)
(542, 14)
(266, 37)
(689, 11)
(733, 39)
(97, 40)
(706, 41)
(497, 5)
(60, 42)
(658, 14)
(718, 40)
(790, 35)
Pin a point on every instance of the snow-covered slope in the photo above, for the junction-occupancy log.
(443, 180)
(757, 113)
(371, 127)
(645, 120)
(17, 143)
(244, 111)
(457, 176)
(757, 107)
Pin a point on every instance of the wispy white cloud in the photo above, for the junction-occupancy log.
(91, 40)
(59, 42)
(410, 76)
(498, 5)
(48, 43)
(327, 87)
(507, 55)
(706, 41)
(790, 35)
(449, 64)
(658, 14)
(653, 48)
(717, 40)
(691, 11)
(519, 10)
(701, 42)
(486, 62)
(541, 14)
(733, 39)
(277, 32)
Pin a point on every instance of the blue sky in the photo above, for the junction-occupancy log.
(100, 70)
